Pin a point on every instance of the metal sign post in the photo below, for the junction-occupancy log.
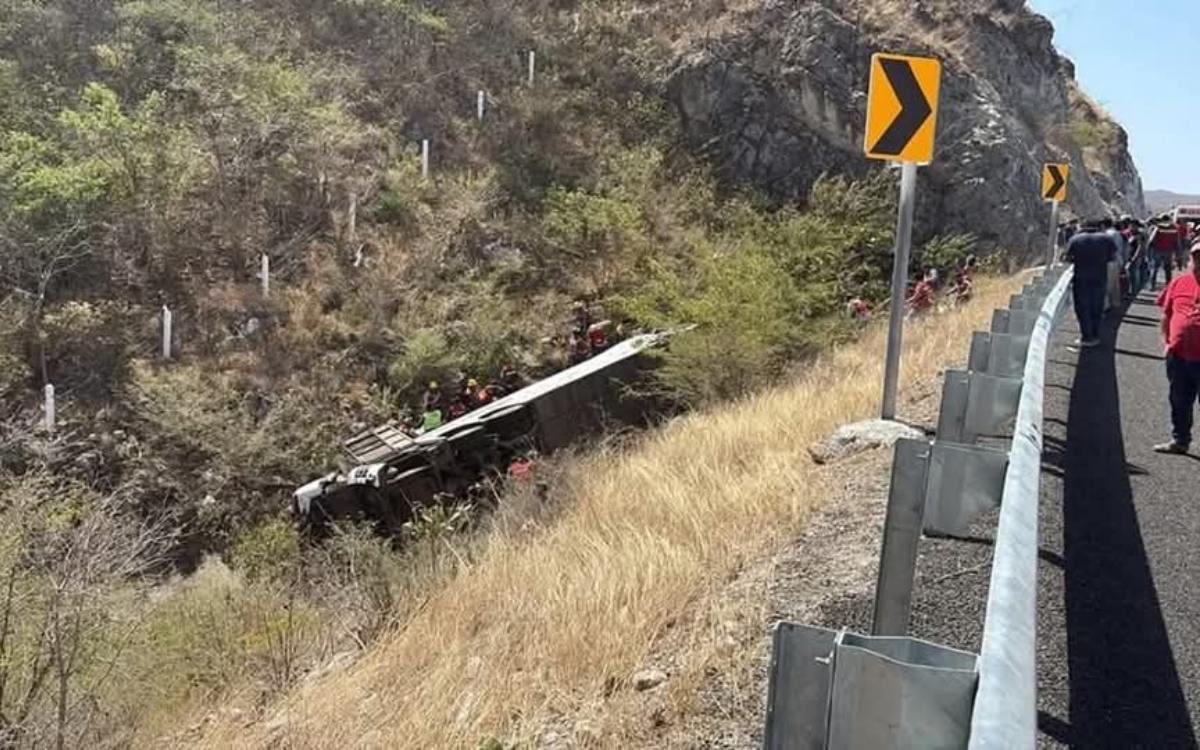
(891, 371)
(1052, 246)
(901, 124)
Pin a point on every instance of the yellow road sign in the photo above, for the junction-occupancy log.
(902, 108)
(1054, 181)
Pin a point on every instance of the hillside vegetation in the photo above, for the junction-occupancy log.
(152, 151)
(543, 631)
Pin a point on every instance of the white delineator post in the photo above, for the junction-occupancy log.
(50, 416)
(891, 372)
(266, 275)
(480, 105)
(1052, 247)
(425, 159)
(167, 319)
(532, 66)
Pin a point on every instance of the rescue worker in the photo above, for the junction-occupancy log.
(964, 287)
(432, 420)
(921, 300)
(510, 379)
(433, 399)
(480, 396)
(578, 348)
(598, 337)
(470, 393)
(583, 319)
(458, 407)
(858, 311)
(409, 424)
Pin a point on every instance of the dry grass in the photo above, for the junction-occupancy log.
(547, 625)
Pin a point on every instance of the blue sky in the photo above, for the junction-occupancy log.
(1135, 57)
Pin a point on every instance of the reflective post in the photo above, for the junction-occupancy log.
(425, 159)
(166, 332)
(532, 66)
(1052, 247)
(480, 104)
(891, 373)
(265, 273)
(50, 416)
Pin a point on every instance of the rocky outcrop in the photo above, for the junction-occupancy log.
(779, 98)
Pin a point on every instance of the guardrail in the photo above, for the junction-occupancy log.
(834, 689)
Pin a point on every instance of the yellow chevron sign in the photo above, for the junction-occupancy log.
(1054, 181)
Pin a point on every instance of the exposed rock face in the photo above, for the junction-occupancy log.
(778, 97)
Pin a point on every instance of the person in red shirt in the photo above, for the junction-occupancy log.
(1180, 303)
(1164, 245)
(922, 297)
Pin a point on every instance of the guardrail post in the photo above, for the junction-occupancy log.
(901, 537)
(975, 404)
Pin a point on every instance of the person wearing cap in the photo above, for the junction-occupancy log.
(433, 400)
(1090, 252)
(1180, 303)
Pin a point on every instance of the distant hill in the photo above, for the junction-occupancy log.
(1164, 200)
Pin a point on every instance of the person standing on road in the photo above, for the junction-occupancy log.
(1090, 252)
(1180, 303)
(1113, 298)
(1164, 244)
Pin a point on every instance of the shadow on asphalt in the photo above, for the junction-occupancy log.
(1140, 355)
(1124, 685)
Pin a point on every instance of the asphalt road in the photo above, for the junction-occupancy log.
(1119, 635)
(1118, 583)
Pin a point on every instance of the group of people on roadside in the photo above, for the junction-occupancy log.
(1112, 260)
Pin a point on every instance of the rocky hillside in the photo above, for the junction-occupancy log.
(774, 92)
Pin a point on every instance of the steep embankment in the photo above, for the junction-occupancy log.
(776, 93)
(540, 638)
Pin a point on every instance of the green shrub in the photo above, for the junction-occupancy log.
(945, 253)
(267, 551)
(744, 308)
(1085, 133)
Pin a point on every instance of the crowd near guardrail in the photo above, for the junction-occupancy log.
(835, 689)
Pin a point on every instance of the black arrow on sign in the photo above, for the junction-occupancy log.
(1056, 175)
(914, 108)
